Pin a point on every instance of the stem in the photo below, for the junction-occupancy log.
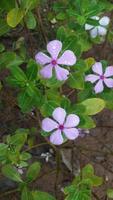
(36, 145)
(41, 24)
(57, 172)
(9, 192)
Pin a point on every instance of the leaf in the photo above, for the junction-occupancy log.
(4, 28)
(19, 75)
(29, 4)
(32, 70)
(73, 193)
(10, 172)
(93, 105)
(30, 20)
(26, 194)
(87, 171)
(7, 4)
(110, 193)
(3, 151)
(38, 195)
(86, 122)
(33, 172)
(48, 107)
(76, 80)
(14, 17)
(18, 140)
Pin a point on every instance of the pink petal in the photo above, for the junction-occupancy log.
(71, 133)
(68, 58)
(61, 73)
(49, 125)
(59, 115)
(109, 71)
(42, 58)
(108, 82)
(97, 68)
(92, 78)
(56, 137)
(54, 47)
(71, 121)
(46, 71)
(99, 87)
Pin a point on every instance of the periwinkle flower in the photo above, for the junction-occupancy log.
(100, 77)
(53, 61)
(100, 29)
(61, 125)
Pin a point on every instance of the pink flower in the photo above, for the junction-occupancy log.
(49, 63)
(100, 77)
(61, 126)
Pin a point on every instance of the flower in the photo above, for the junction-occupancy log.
(49, 63)
(100, 77)
(61, 126)
(100, 29)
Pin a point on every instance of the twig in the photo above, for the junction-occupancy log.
(41, 24)
(9, 192)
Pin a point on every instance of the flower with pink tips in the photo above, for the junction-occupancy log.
(61, 125)
(53, 62)
(100, 78)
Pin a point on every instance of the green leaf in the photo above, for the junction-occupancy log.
(76, 80)
(18, 140)
(110, 193)
(93, 106)
(33, 172)
(29, 4)
(4, 28)
(14, 17)
(30, 20)
(19, 75)
(38, 195)
(26, 194)
(10, 172)
(87, 171)
(32, 70)
(7, 4)
(3, 151)
(48, 107)
(86, 122)
(2, 47)
(73, 193)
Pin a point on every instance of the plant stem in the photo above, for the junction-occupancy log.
(57, 172)
(9, 192)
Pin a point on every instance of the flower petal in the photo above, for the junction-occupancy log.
(95, 17)
(54, 47)
(72, 120)
(108, 82)
(99, 87)
(56, 137)
(94, 32)
(102, 31)
(49, 124)
(104, 21)
(97, 68)
(42, 58)
(68, 58)
(61, 73)
(59, 115)
(88, 27)
(46, 71)
(108, 71)
(71, 133)
(92, 78)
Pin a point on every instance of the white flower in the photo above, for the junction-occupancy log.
(100, 29)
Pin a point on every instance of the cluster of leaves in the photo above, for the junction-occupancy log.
(13, 158)
(82, 185)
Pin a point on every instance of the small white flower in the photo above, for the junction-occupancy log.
(46, 156)
(99, 30)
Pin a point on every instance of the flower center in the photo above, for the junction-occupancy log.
(102, 77)
(53, 62)
(61, 127)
